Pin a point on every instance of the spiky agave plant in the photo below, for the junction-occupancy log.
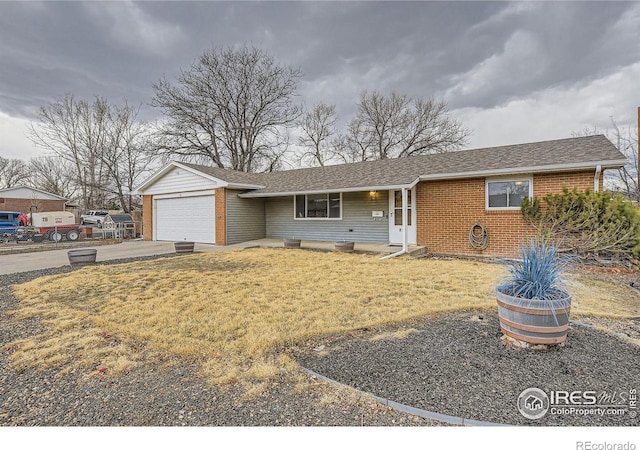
(538, 276)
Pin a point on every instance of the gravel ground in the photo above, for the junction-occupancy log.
(457, 364)
(161, 395)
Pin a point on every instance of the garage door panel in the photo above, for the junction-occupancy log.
(186, 218)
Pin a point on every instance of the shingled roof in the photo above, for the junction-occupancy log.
(548, 156)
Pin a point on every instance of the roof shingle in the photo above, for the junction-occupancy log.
(563, 154)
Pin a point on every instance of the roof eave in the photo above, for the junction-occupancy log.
(21, 186)
(607, 164)
(174, 164)
(243, 186)
(324, 191)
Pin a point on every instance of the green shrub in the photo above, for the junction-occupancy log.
(593, 225)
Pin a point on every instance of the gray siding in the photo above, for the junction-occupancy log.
(356, 225)
(245, 218)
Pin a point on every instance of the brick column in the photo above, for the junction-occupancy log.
(221, 216)
(147, 217)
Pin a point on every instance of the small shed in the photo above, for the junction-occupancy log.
(120, 226)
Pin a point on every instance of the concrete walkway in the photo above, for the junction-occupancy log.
(24, 262)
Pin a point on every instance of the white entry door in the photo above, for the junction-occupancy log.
(396, 227)
(185, 219)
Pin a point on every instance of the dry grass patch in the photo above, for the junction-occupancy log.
(232, 312)
(592, 297)
(400, 334)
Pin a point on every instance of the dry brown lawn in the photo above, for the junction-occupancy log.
(231, 312)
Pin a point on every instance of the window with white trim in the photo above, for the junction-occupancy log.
(508, 194)
(318, 206)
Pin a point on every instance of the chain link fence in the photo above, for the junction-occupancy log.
(33, 238)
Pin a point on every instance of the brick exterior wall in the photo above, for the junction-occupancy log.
(221, 216)
(147, 217)
(23, 205)
(446, 211)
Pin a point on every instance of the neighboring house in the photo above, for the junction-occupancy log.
(26, 199)
(440, 197)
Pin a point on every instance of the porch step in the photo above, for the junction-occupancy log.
(417, 251)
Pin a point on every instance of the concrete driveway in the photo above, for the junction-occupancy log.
(24, 262)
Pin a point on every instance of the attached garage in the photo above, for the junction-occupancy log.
(183, 202)
(185, 219)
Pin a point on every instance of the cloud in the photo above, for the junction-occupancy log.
(134, 29)
(533, 46)
(489, 60)
(520, 61)
(14, 143)
(557, 112)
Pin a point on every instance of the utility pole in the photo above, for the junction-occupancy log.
(638, 166)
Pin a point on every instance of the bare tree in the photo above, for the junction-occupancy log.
(53, 174)
(431, 130)
(76, 130)
(396, 126)
(230, 108)
(124, 156)
(104, 144)
(12, 172)
(382, 123)
(627, 143)
(317, 126)
(350, 146)
(625, 179)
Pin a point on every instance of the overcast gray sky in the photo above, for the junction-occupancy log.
(510, 71)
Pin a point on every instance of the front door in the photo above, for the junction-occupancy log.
(396, 227)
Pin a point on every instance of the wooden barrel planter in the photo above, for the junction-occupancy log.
(534, 321)
(344, 246)
(82, 256)
(292, 243)
(183, 247)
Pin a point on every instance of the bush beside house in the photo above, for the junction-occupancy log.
(593, 225)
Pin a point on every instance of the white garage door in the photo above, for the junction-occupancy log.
(186, 218)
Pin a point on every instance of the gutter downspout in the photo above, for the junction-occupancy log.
(405, 215)
(596, 179)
